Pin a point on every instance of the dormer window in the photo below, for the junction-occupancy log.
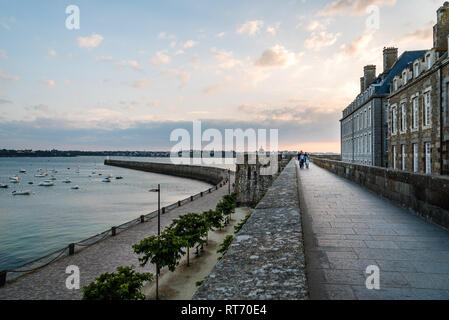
(404, 77)
(395, 84)
(429, 61)
(416, 70)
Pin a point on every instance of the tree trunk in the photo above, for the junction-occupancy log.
(188, 262)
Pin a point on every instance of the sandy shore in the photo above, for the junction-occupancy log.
(181, 284)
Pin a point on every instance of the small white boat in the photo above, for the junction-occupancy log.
(42, 175)
(75, 188)
(67, 180)
(3, 186)
(14, 179)
(106, 180)
(21, 193)
(46, 184)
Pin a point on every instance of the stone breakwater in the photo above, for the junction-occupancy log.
(266, 260)
(210, 175)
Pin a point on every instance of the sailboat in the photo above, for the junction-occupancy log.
(21, 193)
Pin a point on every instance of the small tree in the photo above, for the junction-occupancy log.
(214, 219)
(226, 205)
(123, 285)
(191, 228)
(163, 251)
(225, 246)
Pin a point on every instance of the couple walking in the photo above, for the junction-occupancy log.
(304, 159)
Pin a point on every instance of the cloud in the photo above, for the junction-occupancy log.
(214, 89)
(278, 56)
(220, 35)
(131, 64)
(322, 39)
(103, 58)
(358, 44)
(225, 58)
(354, 7)
(182, 76)
(3, 54)
(142, 84)
(272, 30)
(165, 36)
(6, 77)
(161, 58)
(250, 27)
(190, 44)
(52, 53)
(90, 42)
(5, 101)
(48, 83)
(41, 108)
(422, 34)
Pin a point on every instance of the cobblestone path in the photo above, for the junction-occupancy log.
(105, 256)
(348, 228)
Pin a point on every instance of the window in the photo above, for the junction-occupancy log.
(395, 84)
(428, 149)
(403, 157)
(394, 157)
(404, 76)
(415, 113)
(415, 157)
(403, 117)
(429, 61)
(369, 143)
(416, 70)
(427, 108)
(394, 121)
(369, 117)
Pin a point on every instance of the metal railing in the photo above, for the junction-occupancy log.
(71, 249)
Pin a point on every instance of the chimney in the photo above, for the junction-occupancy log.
(441, 29)
(369, 75)
(390, 58)
(362, 84)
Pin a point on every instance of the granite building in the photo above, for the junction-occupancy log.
(364, 125)
(418, 108)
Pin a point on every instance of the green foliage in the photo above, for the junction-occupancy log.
(238, 227)
(164, 250)
(214, 219)
(225, 245)
(199, 283)
(226, 205)
(191, 228)
(123, 285)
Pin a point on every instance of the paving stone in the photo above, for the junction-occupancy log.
(412, 255)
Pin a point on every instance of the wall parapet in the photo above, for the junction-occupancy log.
(210, 175)
(266, 260)
(427, 195)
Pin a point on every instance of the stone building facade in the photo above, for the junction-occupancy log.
(364, 126)
(417, 108)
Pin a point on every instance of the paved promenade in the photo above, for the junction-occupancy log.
(348, 228)
(105, 256)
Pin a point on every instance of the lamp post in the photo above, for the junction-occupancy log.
(158, 190)
(229, 181)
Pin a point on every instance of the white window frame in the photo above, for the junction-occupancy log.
(415, 158)
(416, 70)
(394, 157)
(394, 120)
(415, 104)
(427, 108)
(428, 150)
(403, 117)
(403, 156)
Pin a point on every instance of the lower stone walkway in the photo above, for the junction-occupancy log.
(105, 256)
(347, 228)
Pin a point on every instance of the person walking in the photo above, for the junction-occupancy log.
(301, 160)
(307, 156)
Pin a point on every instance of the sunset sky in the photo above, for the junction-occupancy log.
(136, 70)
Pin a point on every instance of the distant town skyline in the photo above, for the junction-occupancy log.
(137, 70)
